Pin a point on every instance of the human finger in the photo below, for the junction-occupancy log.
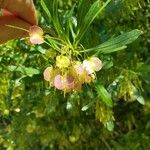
(24, 9)
(8, 33)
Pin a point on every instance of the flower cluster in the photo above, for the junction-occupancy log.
(68, 75)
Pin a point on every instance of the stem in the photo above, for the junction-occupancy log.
(50, 46)
(15, 27)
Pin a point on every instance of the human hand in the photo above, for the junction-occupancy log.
(22, 14)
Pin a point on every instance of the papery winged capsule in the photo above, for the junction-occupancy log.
(97, 63)
(93, 64)
(78, 68)
(58, 82)
(89, 66)
(47, 73)
(36, 35)
(64, 82)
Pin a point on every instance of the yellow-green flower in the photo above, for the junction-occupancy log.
(62, 62)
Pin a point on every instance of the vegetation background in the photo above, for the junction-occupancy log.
(34, 116)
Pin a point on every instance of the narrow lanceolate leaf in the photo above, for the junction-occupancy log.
(46, 10)
(116, 44)
(51, 9)
(83, 8)
(104, 95)
(56, 20)
(93, 12)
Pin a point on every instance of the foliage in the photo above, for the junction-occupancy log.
(105, 114)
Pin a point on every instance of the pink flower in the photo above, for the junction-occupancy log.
(47, 73)
(91, 65)
(36, 35)
(64, 82)
(58, 82)
(97, 63)
(69, 82)
(79, 68)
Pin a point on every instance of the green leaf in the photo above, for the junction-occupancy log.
(56, 20)
(104, 95)
(46, 10)
(26, 71)
(141, 100)
(116, 44)
(144, 68)
(83, 7)
(138, 96)
(86, 107)
(92, 13)
(53, 43)
(69, 25)
(51, 9)
(110, 125)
